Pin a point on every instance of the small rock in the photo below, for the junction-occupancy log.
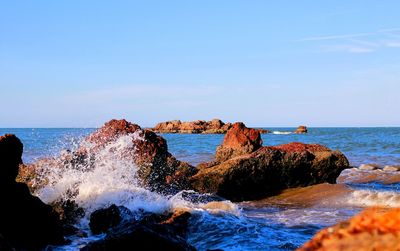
(391, 168)
(301, 130)
(103, 219)
(368, 167)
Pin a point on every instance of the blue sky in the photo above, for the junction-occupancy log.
(267, 63)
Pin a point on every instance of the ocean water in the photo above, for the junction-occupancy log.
(282, 222)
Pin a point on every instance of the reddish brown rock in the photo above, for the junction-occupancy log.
(239, 140)
(270, 170)
(373, 229)
(158, 169)
(301, 130)
(214, 126)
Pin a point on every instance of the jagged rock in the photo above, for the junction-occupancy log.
(269, 170)
(158, 169)
(152, 232)
(239, 140)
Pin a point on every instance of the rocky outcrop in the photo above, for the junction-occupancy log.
(152, 232)
(199, 126)
(215, 126)
(157, 168)
(25, 221)
(239, 140)
(373, 229)
(301, 130)
(263, 171)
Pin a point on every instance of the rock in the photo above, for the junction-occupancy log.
(103, 219)
(301, 130)
(391, 168)
(25, 221)
(153, 232)
(157, 168)
(270, 170)
(68, 211)
(239, 140)
(373, 229)
(368, 167)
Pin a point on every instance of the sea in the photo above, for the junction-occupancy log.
(281, 222)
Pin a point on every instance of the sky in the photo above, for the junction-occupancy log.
(266, 63)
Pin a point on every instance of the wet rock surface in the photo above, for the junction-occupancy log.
(151, 232)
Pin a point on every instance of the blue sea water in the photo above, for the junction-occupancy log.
(380, 145)
(279, 223)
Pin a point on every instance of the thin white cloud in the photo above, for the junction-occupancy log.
(334, 37)
(346, 48)
(358, 42)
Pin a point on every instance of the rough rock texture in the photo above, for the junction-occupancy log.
(239, 140)
(199, 126)
(158, 169)
(25, 221)
(152, 232)
(215, 126)
(301, 130)
(373, 229)
(267, 170)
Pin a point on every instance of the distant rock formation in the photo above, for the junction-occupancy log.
(301, 130)
(26, 223)
(215, 126)
(373, 229)
(244, 170)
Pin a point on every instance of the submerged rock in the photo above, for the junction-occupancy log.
(301, 130)
(369, 167)
(264, 171)
(390, 168)
(373, 229)
(25, 221)
(152, 232)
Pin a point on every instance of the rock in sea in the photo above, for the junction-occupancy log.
(248, 171)
(373, 229)
(151, 232)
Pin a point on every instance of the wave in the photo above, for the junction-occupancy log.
(370, 198)
(281, 132)
(112, 178)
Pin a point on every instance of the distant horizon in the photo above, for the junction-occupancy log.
(76, 64)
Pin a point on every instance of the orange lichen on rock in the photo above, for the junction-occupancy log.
(373, 229)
